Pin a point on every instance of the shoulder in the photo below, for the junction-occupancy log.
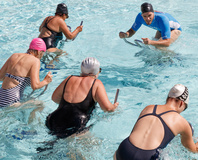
(58, 19)
(98, 82)
(139, 16)
(161, 16)
(15, 56)
(46, 18)
(183, 124)
(147, 109)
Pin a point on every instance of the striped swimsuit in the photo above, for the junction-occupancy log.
(15, 94)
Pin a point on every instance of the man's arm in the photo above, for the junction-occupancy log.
(127, 34)
(164, 43)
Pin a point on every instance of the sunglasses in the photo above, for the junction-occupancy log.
(67, 16)
(186, 106)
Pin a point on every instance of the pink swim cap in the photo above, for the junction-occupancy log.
(38, 44)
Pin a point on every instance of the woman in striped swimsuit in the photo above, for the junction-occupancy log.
(22, 70)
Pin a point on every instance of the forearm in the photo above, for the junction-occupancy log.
(39, 85)
(189, 144)
(108, 106)
(130, 33)
(73, 34)
(164, 43)
(193, 149)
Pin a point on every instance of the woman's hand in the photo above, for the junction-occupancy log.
(48, 77)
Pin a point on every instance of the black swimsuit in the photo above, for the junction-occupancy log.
(52, 40)
(127, 151)
(71, 118)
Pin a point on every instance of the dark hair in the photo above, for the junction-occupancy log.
(146, 7)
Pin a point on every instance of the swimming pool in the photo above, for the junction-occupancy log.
(143, 77)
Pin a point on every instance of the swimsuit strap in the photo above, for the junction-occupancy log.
(90, 91)
(46, 22)
(93, 84)
(155, 108)
(168, 134)
(19, 79)
(65, 86)
(155, 114)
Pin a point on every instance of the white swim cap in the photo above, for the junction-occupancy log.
(90, 65)
(180, 92)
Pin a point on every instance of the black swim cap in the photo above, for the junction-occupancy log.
(62, 8)
(146, 7)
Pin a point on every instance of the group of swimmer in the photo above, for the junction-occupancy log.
(77, 96)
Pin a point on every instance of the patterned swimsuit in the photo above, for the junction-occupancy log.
(13, 95)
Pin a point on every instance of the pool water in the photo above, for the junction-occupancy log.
(144, 77)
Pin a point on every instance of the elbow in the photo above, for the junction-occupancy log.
(34, 87)
(109, 109)
(193, 150)
(167, 45)
(70, 36)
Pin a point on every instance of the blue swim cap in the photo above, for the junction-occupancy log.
(146, 7)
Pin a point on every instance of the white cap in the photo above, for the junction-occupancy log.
(180, 92)
(90, 66)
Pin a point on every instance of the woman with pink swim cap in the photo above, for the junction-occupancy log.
(21, 70)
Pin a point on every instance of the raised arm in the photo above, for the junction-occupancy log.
(187, 139)
(102, 98)
(127, 34)
(34, 75)
(165, 42)
(66, 31)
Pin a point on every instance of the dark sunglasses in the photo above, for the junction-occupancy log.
(186, 106)
(67, 15)
(100, 70)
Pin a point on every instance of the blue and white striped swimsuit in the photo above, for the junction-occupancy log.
(13, 95)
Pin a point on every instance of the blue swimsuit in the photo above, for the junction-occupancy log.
(127, 151)
(15, 94)
(163, 22)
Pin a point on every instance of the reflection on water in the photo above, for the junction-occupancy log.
(143, 76)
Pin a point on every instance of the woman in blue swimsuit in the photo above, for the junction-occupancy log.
(21, 70)
(156, 126)
(77, 96)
